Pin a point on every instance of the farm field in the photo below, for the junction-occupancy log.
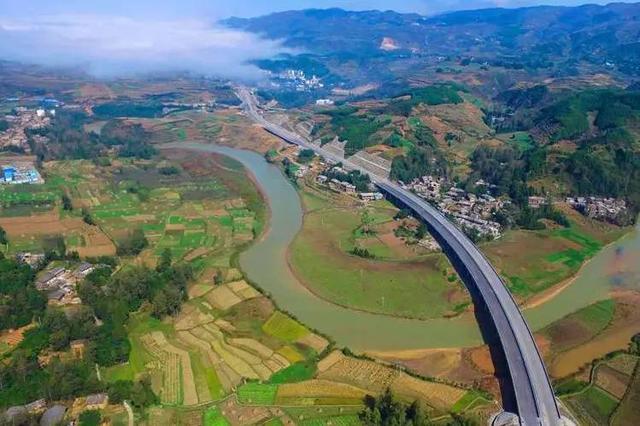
(604, 394)
(627, 412)
(591, 333)
(191, 215)
(343, 416)
(213, 417)
(581, 326)
(534, 261)
(415, 286)
(593, 407)
(376, 377)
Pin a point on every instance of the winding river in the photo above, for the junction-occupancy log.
(265, 264)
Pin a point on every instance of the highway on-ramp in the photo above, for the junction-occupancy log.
(536, 403)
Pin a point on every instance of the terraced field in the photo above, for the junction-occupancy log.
(376, 377)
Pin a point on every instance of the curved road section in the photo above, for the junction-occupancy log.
(536, 403)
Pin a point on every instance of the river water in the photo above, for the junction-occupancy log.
(265, 264)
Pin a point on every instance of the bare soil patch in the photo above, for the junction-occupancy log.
(612, 381)
(616, 336)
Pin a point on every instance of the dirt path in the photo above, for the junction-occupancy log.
(548, 294)
(129, 412)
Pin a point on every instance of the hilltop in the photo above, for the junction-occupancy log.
(561, 41)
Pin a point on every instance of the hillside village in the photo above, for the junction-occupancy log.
(19, 122)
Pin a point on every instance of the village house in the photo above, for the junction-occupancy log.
(84, 269)
(536, 202)
(31, 259)
(15, 413)
(60, 284)
(49, 278)
(468, 210)
(370, 196)
(97, 401)
(53, 416)
(302, 171)
(608, 209)
(78, 348)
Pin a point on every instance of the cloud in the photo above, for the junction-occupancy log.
(108, 46)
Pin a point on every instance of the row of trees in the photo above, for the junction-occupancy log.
(361, 181)
(387, 410)
(20, 302)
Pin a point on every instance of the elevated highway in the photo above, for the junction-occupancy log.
(533, 393)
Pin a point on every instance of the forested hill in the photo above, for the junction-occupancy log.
(596, 34)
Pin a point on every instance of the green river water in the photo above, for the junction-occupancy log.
(265, 264)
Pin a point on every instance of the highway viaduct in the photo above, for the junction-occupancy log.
(532, 390)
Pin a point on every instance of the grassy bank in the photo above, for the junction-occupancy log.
(416, 286)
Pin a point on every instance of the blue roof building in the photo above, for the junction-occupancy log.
(8, 173)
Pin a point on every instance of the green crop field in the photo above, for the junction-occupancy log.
(345, 416)
(597, 316)
(213, 417)
(294, 373)
(347, 420)
(533, 261)
(283, 327)
(593, 406)
(257, 394)
(468, 400)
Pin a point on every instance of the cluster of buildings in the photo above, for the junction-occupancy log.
(60, 284)
(608, 209)
(55, 414)
(22, 119)
(35, 260)
(470, 211)
(324, 102)
(299, 80)
(17, 173)
(169, 107)
(344, 186)
(77, 351)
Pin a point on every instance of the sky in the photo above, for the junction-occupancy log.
(112, 38)
(247, 8)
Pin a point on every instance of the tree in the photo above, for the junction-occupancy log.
(422, 231)
(366, 220)
(66, 203)
(57, 325)
(402, 214)
(306, 155)
(218, 278)
(142, 395)
(165, 260)
(271, 155)
(3, 236)
(634, 345)
(119, 391)
(133, 245)
(169, 170)
(87, 218)
(19, 299)
(54, 247)
(90, 418)
(166, 302)
(388, 411)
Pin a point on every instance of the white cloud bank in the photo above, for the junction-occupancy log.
(108, 46)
